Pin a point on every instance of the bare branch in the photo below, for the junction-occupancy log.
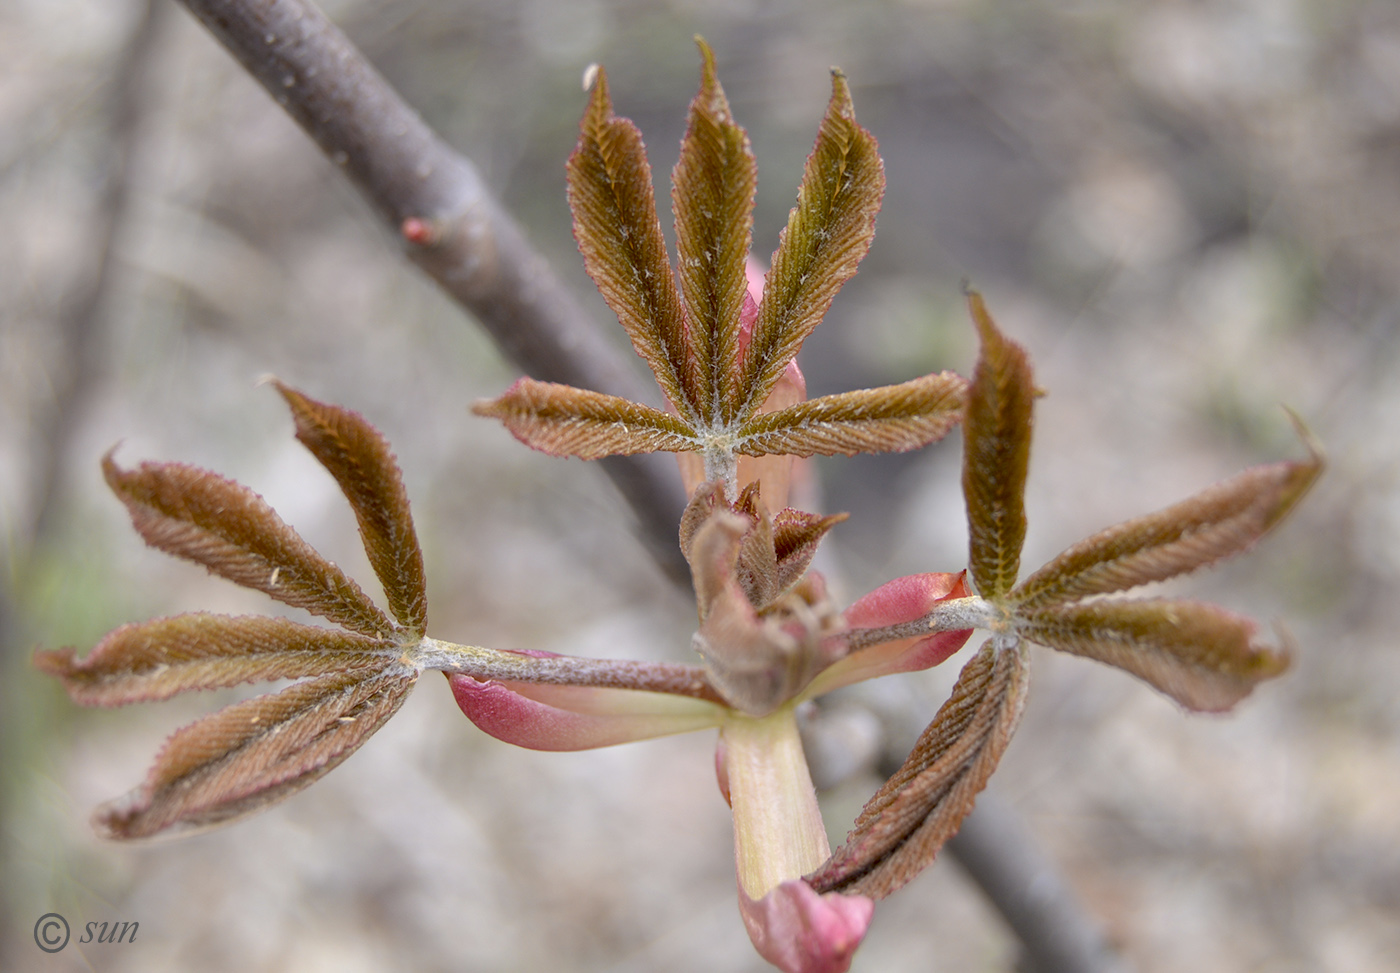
(454, 229)
(997, 851)
(80, 326)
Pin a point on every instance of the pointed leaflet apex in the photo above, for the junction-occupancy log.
(360, 460)
(157, 659)
(257, 752)
(615, 224)
(1200, 655)
(828, 233)
(996, 454)
(712, 193)
(904, 825)
(1219, 522)
(564, 421)
(229, 529)
(889, 419)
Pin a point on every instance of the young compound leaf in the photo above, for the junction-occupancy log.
(712, 192)
(360, 460)
(996, 454)
(903, 826)
(157, 659)
(827, 234)
(229, 529)
(615, 224)
(890, 419)
(564, 421)
(257, 752)
(1221, 521)
(1200, 655)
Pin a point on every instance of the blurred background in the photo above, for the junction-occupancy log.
(1189, 212)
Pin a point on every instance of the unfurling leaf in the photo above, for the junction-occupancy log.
(253, 753)
(996, 455)
(564, 421)
(615, 224)
(1200, 655)
(903, 826)
(1218, 522)
(229, 529)
(890, 419)
(157, 659)
(796, 536)
(755, 662)
(712, 192)
(757, 565)
(363, 465)
(828, 233)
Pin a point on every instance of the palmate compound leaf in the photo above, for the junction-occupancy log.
(996, 455)
(828, 233)
(257, 752)
(901, 828)
(1219, 522)
(889, 419)
(226, 527)
(364, 466)
(155, 660)
(712, 195)
(619, 235)
(1205, 658)
(565, 421)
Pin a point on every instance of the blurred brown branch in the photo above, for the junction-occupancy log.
(452, 225)
(997, 851)
(80, 322)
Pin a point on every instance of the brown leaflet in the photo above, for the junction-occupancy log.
(996, 454)
(796, 536)
(564, 421)
(1202, 656)
(889, 419)
(712, 193)
(757, 565)
(229, 529)
(909, 819)
(707, 497)
(157, 659)
(827, 234)
(619, 235)
(713, 555)
(257, 752)
(362, 463)
(1221, 521)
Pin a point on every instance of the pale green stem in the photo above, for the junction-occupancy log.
(778, 830)
(562, 670)
(721, 463)
(948, 616)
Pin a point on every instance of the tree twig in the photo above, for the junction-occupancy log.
(80, 323)
(452, 226)
(1000, 855)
